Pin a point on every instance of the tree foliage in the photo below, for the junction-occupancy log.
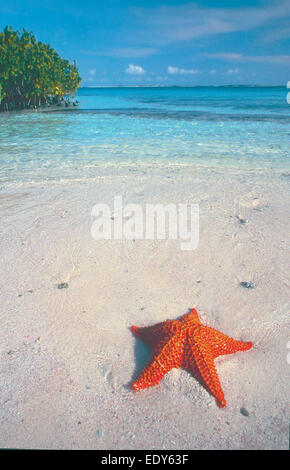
(31, 72)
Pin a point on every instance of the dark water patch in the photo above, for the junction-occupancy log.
(285, 176)
(187, 115)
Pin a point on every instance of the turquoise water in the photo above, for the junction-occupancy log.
(240, 127)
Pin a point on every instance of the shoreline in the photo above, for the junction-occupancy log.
(42, 108)
(122, 168)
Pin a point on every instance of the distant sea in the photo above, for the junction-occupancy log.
(243, 127)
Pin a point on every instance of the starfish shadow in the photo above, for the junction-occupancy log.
(196, 375)
(143, 354)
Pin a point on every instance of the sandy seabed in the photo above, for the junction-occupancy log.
(68, 356)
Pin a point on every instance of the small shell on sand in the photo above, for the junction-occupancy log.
(242, 221)
(247, 285)
(244, 412)
(62, 285)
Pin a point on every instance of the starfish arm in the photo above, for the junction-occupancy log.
(200, 361)
(191, 317)
(154, 334)
(165, 359)
(222, 344)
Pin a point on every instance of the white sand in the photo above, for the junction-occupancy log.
(68, 356)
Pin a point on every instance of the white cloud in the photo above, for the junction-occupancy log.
(278, 34)
(172, 70)
(275, 59)
(177, 71)
(135, 70)
(165, 24)
(225, 55)
(90, 75)
(232, 71)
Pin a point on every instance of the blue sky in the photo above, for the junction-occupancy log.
(169, 42)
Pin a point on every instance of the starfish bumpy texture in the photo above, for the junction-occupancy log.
(189, 344)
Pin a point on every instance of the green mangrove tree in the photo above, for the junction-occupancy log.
(32, 73)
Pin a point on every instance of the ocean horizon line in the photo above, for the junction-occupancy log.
(184, 86)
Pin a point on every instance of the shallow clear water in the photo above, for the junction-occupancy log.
(240, 127)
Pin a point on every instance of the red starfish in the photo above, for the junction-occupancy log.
(189, 344)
